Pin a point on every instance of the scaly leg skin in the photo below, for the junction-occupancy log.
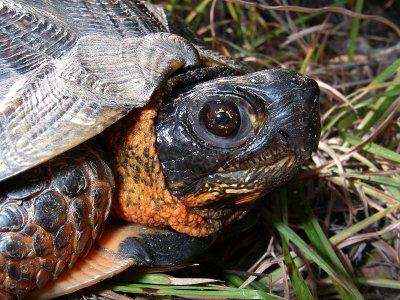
(124, 245)
(49, 218)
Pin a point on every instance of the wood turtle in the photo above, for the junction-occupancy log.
(113, 106)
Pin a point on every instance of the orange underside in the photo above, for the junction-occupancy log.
(142, 195)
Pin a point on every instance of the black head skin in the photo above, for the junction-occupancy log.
(234, 139)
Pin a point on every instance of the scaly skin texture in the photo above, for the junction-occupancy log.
(141, 194)
(50, 218)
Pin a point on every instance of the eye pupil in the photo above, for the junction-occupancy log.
(221, 119)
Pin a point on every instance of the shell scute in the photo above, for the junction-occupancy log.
(14, 286)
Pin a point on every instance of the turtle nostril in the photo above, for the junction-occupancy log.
(284, 133)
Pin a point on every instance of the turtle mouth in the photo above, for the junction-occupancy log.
(257, 175)
(263, 163)
(270, 163)
(261, 175)
(245, 181)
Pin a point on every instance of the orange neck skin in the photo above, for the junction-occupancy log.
(142, 195)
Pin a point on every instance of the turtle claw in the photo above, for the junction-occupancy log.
(135, 248)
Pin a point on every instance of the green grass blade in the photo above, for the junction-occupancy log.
(372, 148)
(299, 285)
(379, 282)
(160, 278)
(354, 30)
(385, 180)
(319, 240)
(348, 232)
(189, 291)
(382, 77)
(338, 238)
(232, 11)
(312, 255)
(375, 112)
(197, 10)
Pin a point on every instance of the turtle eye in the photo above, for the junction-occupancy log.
(225, 121)
(221, 119)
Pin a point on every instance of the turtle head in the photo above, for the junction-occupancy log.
(189, 161)
(231, 140)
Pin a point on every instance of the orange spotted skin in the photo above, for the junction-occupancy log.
(141, 194)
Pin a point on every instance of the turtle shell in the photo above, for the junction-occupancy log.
(70, 69)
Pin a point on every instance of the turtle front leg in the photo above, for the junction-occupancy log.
(50, 217)
(121, 246)
(126, 244)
